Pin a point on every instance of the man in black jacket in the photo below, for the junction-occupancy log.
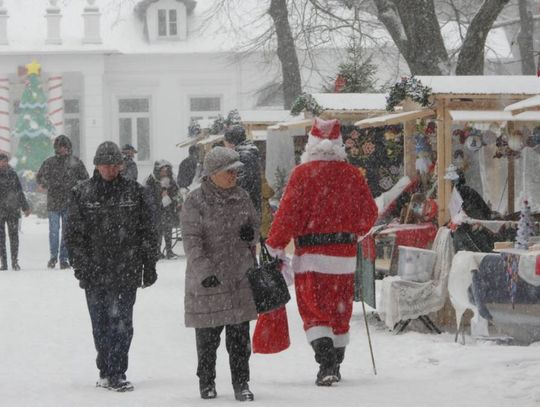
(188, 168)
(12, 201)
(249, 176)
(130, 170)
(58, 174)
(112, 248)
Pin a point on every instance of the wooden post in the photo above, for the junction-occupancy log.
(444, 141)
(409, 152)
(511, 176)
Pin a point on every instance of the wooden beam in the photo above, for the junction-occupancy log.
(409, 151)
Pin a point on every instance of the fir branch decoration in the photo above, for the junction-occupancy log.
(408, 88)
(306, 102)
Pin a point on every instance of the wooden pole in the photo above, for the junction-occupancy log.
(409, 152)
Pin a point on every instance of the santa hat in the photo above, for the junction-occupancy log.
(324, 142)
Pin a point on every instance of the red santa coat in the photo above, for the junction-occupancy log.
(324, 197)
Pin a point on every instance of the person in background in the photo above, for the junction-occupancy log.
(188, 168)
(58, 175)
(129, 170)
(12, 202)
(326, 207)
(112, 246)
(249, 176)
(163, 191)
(220, 227)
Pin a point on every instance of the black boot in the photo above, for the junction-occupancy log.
(3, 264)
(325, 355)
(242, 392)
(340, 355)
(207, 390)
(15, 265)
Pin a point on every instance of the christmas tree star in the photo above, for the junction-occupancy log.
(33, 68)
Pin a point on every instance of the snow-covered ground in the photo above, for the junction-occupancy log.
(47, 354)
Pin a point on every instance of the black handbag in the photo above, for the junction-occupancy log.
(267, 283)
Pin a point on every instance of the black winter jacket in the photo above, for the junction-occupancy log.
(249, 176)
(165, 215)
(130, 170)
(186, 172)
(59, 174)
(110, 236)
(12, 199)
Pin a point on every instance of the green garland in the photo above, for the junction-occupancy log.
(306, 102)
(408, 88)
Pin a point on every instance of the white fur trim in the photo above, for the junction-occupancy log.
(326, 332)
(321, 263)
(318, 149)
(286, 269)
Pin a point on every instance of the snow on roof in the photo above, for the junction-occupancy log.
(524, 104)
(492, 116)
(503, 84)
(265, 115)
(351, 101)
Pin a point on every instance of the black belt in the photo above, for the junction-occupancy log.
(326, 238)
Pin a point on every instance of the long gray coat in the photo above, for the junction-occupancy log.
(211, 220)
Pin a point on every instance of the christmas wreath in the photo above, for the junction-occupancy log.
(408, 88)
(306, 102)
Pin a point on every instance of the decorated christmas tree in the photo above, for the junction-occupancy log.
(525, 227)
(33, 127)
(357, 73)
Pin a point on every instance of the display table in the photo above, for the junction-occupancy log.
(501, 287)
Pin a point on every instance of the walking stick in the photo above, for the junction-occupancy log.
(368, 337)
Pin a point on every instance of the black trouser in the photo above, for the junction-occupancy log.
(111, 312)
(13, 231)
(238, 345)
(166, 233)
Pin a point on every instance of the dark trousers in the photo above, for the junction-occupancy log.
(165, 232)
(13, 231)
(111, 312)
(238, 345)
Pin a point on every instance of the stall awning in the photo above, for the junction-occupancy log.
(492, 116)
(301, 123)
(522, 105)
(394, 118)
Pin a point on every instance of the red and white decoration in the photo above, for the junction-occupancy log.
(56, 103)
(5, 138)
(325, 195)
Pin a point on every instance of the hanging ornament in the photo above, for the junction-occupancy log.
(473, 143)
(33, 125)
(515, 141)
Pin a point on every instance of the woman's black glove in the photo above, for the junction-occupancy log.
(247, 233)
(210, 282)
(149, 276)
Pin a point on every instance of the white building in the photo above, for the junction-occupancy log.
(132, 72)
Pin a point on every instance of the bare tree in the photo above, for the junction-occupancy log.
(525, 39)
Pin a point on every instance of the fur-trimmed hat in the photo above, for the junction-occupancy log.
(324, 142)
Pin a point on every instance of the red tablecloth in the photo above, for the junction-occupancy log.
(417, 235)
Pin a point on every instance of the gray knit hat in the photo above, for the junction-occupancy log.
(220, 159)
(108, 153)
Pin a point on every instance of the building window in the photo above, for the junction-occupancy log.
(72, 124)
(134, 125)
(167, 23)
(204, 108)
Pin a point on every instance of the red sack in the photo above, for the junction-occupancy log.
(271, 332)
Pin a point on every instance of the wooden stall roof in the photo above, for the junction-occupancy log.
(394, 118)
(300, 123)
(483, 85)
(351, 101)
(522, 105)
(492, 116)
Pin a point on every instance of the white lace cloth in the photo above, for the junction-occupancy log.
(402, 300)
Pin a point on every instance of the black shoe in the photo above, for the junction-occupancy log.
(338, 374)
(3, 266)
(64, 265)
(326, 378)
(242, 392)
(15, 265)
(120, 384)
(51, 264)
(208, 391)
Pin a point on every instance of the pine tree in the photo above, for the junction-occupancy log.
(358, 72)
(33, 126)
(218, 126)
(525, 227)
(233, 119)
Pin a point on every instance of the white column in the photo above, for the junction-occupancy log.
(93, 128)
(3, 24)
(56, 103)
(5, 130)
(92, 25)
(53, 17)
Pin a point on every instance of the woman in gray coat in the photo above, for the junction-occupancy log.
(219, 224)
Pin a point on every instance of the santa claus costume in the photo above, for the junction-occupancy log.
(326, 206)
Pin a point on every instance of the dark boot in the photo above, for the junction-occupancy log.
(15, 265)
(208, 390)
(340, 355)
(325, 355)
(3, 264)
(242, 392)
